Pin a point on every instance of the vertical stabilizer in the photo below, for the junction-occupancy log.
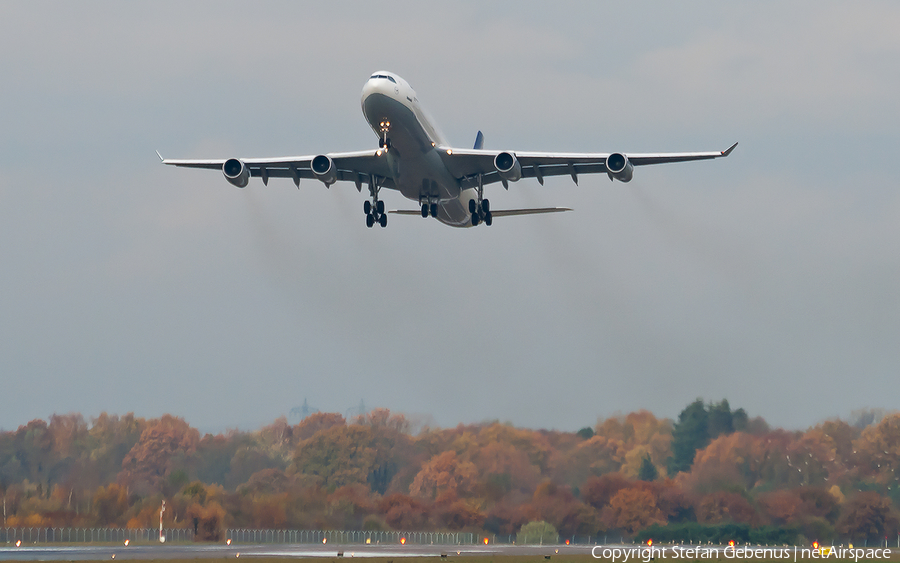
(479, 141)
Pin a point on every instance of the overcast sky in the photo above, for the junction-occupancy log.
(769, 278)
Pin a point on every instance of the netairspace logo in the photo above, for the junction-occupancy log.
(648, 554)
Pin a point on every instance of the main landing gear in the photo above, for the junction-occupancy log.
(481, 212)
(480, 209)
(374, 209)
(429, 209)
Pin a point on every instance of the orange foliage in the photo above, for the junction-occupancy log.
(208, 521)
(782, 507)
(598, 491)
(879, 451)
(444, 472)
(164, 438)
(402, 512)
(632, 509)
(110, 504)
(316, 422)
(723, 507)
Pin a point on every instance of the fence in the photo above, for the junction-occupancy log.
(88, 535)
(242, 535)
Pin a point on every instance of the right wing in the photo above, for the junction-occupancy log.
(355, 167)
(468, 164)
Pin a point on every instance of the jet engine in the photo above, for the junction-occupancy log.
(508, 166)
(619, 167)
(323, 168)
(236, 172)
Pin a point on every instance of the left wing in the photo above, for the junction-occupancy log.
(468, 164)
(357, 167)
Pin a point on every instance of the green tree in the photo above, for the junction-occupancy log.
(648, 471)
(690, 433)
(720, 420)
(539, 532)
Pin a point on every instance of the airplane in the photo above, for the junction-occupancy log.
(415, 159)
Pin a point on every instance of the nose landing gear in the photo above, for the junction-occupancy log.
(384, 142)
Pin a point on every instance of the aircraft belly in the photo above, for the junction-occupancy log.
(420, 173)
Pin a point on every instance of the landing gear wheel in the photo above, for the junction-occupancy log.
(370, 220)
(434, 210)
(488, 218)
(367, 207)
(475, 220)
(383, 221)
(472, 206)
(486, 206)
(379, 205)
(424, 210)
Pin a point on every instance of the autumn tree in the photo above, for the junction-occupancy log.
(110, 504)
(444, 472)
(632, 509)
(599, 491)
(340, 455)
(316, 422)
(781, 507)
(164, 441)
(726, 507)
(402, 512)
(878, 450)
(868, 516)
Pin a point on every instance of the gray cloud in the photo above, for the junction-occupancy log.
(768, 278)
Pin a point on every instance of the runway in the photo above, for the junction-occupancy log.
(608, 553)
(207, 551)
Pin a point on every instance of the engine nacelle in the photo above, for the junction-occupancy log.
(323, 168)
(236, 172)
(619, 167)
(508, 166)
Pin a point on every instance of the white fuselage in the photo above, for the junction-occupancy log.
(393, 111)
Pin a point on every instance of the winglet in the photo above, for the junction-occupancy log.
(727, 151)
(161, 159)
(479, 141)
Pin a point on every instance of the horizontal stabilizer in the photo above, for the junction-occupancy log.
(535, 211)
(495, 213)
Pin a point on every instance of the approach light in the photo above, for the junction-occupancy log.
(649, 542)
(567, 542)
(731, 543)
(402, 541)
(228, 541)
(126, 543)
(485, 541)
(815, 545)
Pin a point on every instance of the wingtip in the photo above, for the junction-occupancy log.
(161, 159)
(727, 151)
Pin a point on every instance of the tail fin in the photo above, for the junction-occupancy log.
(479, 141)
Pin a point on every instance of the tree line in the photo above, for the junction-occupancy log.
(710, 470)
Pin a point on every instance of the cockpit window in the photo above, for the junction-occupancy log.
(391, 78)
